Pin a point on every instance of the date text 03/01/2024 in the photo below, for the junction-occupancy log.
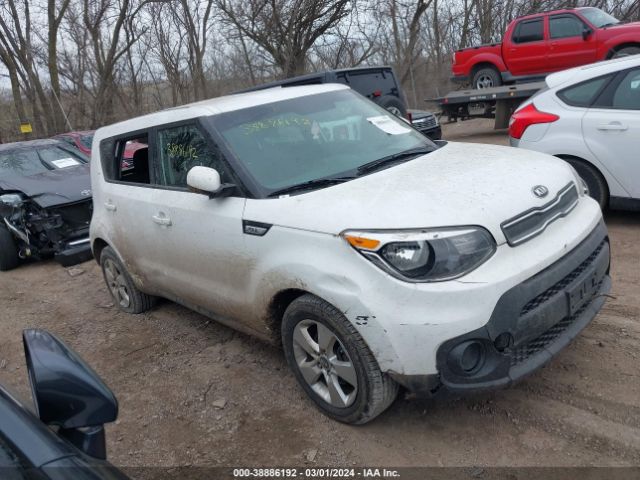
(315, 473)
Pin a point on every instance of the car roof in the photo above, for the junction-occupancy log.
(45, 142)
(592, 70)
(215, 106)
(550, 12)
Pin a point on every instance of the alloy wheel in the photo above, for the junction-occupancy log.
(484, 81)
(117, 283)
(324, 363)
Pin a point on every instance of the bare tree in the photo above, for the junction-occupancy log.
(285, 29)
(195, 16)
(105, 21)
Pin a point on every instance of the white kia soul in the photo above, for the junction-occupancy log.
(311, 217)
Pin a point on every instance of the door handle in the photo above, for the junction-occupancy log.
(161, 219)
(110, 206)
(612, 127)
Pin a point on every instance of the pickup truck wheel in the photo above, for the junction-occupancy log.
(393, 104)
(597, 186)
(121, 287)
(333, 364)
(8, 251)
(625, 52)
(487, 77)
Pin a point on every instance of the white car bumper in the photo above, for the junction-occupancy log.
(521, 293)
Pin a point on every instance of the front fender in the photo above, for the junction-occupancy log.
(613, 43)
(325, 266)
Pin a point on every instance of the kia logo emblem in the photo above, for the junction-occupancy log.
(85, 193)
(540, 191)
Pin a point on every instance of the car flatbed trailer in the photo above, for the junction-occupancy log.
(496, 102)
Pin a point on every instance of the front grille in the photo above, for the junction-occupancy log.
(562, 284)
(426, 123)
(523, 352)
(533, 222)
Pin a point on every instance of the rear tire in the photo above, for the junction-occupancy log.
(597, 185)
(8, 251)
(121, 287)
(393, 104)
(625, 52)
(487, 77)
(333, 364)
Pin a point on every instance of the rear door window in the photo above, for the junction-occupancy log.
(529, 31)
(627, 94)
(126, 159)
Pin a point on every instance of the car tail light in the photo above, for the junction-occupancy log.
(526, 117)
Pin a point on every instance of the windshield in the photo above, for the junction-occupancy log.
(598, 18)
(312, 137)
(23, 161)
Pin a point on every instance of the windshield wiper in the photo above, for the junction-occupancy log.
(396, 157)
(310, 185)
(610, 24)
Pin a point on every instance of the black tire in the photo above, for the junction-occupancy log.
(393, 104)
(8, 251)
(596, 184)
(487, 77)
(626, 51)
(375, 390)
(136, 301)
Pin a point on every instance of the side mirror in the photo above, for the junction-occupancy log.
(207, 180)
(586, 32)
(68, 393)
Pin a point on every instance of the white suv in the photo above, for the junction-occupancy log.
(590, 116)
(310, 217)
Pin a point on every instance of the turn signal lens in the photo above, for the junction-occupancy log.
(524, 118)
(362, 242)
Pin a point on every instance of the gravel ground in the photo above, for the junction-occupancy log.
(193, 392)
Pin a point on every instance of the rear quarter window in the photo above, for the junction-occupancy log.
(585, 93)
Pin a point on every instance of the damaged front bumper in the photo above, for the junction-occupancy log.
(531, 323)
(74, 252)
(61, 231)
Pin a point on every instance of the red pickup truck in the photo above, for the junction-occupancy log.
(536, 45)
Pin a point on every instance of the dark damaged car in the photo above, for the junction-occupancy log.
(45, 203)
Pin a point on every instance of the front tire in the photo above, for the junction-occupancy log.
(8, 251)
(596, 184)
(121, 287)
(333, 364)
(487, 77)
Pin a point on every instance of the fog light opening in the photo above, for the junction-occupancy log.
(467, 358)
(471, 357)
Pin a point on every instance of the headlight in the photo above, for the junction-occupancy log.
(11, 199)
(431, 255)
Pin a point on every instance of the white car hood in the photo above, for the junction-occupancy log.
(458, 184)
